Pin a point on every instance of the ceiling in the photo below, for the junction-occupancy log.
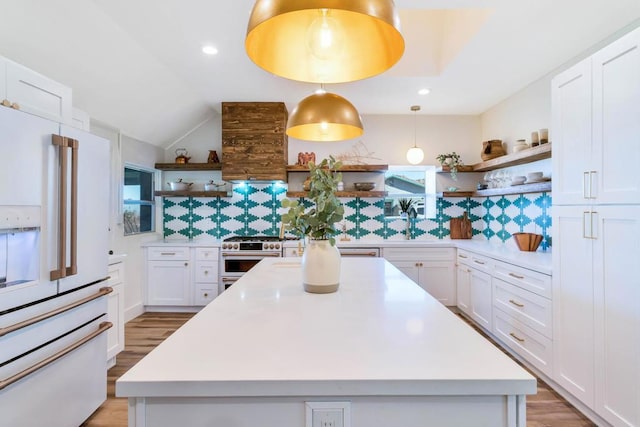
(138, 66)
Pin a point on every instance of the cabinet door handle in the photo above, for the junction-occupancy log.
(462, 256)
(594, 235)
(517, 304)
(479, 262)
(206, 294)
(206, 272)
(516, 276)
(591, 193)
(516, 337)
(585, 184)
(584, 225)
(186, 264)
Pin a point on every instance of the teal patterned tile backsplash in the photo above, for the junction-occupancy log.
(255, 209)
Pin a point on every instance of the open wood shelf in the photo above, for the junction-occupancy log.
(520, 158)
(344, 168)
(189, 193)
(189, 166)
(537, 187)
(361, 194)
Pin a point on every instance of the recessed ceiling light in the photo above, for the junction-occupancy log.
(424, 91)
(209, 50)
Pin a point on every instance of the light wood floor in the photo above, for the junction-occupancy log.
(545, 409)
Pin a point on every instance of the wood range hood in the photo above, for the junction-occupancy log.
(254, 141)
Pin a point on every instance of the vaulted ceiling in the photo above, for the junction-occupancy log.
(138, 66)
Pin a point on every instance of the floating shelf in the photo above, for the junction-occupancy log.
(361, 194)
(189, 166)
(537, 187)
(447, 169)
(189, 193)
(521, 157)
(344, 168)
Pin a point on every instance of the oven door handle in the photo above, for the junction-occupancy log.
(247, 254)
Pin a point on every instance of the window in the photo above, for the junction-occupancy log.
(139, 203)
(414, 183)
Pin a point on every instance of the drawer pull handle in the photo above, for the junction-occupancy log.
(517, 304)
(516, 337)
(516, 276)
(167, 253)
(462, 256)
(479, 262)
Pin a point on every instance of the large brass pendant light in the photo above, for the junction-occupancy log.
(324, 41)
(324, 117)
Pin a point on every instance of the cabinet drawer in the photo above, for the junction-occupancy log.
(526, 279)
(529, 308)
(421, 254)
(205, 293)
(116, 274)
(532, 346)
(206, 254)
(207, 272)
(474, 260)
(174, 253)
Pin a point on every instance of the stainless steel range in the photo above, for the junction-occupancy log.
(240, 253)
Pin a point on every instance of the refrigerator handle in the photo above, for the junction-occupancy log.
(63, 144)
(73, 249)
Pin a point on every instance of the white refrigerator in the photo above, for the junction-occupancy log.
(54, 187)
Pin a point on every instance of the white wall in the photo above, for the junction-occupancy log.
(386, 137)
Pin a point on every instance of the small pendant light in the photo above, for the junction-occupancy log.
(415, 154)
(322, 41)
(324, 117)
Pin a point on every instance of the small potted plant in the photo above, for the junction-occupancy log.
(452, 161)
(405, 205)
(321, 259)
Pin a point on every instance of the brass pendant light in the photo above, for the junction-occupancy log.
(324, 41)
(324, 117)
(415, 154)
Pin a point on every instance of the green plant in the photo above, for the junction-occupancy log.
(319, 221)
(405, 204)
(452, 160)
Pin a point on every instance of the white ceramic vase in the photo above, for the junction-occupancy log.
(320, 267)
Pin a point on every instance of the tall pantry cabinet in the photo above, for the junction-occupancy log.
(596, 230)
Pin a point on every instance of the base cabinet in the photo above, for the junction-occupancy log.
(181, 276)
(474, 278)
(431, 268)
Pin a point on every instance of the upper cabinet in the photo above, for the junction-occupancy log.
(254, 142)
(595, 126)
(34, 93)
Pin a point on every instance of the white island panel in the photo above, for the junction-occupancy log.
(380, 336)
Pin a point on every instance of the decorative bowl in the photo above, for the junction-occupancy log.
(364, 186)
(527, 242)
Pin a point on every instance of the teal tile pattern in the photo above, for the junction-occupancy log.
(256, 209)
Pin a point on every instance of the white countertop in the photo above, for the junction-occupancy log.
(380, 334)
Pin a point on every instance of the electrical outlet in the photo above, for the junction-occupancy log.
(328, 414)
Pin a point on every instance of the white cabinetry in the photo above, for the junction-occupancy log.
(476, 270)
(115, 312)
(206, 276)
(596, 231)
(35, 93)
(595, 126)
(431, 268)
(168, 276)
(181, 276)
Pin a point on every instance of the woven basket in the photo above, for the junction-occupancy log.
(492, 149)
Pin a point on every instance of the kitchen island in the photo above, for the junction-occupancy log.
(381, 345)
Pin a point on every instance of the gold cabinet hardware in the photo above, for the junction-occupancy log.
(479, 262)
(517, 304)
(206, 294)
(186, 264)
(516, 276)
(516, 337)
(206, 272)
(462, 256)
(167, 253)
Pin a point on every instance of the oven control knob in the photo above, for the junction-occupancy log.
(265, 246)
(235, 246)
(271, 246)
(277, 245)
(224, 246)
